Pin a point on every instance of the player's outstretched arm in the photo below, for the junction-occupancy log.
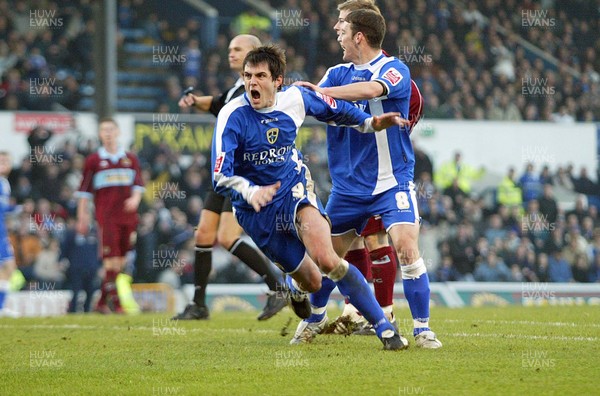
(341, 112)
(356, 91)
(200, 102)
(189, 99)
(387, 120)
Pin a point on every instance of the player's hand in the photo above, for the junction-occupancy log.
(187, 101)
(263, 196)
(387, 120)
(308, 85)
(131, 204)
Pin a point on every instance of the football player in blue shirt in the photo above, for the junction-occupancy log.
(7, 257)
(255, 162)
(377, 83)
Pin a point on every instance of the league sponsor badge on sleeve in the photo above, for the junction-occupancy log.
(328, 99)
(219, 162)
(393, 76)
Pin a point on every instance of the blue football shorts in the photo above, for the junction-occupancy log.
(397, 205)
(6, 251)
(274, 228)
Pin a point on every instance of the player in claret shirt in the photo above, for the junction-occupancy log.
(112, 178)
(256, 163)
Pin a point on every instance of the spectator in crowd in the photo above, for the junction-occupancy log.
(580, 209)
(547, 204)
(559, 269)
(583, 184)
(462, 251)
(423, 164)
(509, 193)
(581, 269)
(562, 179)
(594, 275)
(249, 22)
(80, 255)
(446, 272)
(530, 183)
(495, 229)
(545, 175)
(492, 269)
(542, 269)
(457, 170)
(49, 272)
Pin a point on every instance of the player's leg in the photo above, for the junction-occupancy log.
(111, 266)
(229, 237)
(109, 299)
(205, 238)
(384, 266)
(344, 223)
(124, 279)
(380, 258)
(415, 281)
(320, 298)
(400, 216)
(7, 266)
(314, 232)
(284, 248)
(359, 256)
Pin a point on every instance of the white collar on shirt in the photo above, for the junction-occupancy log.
(114, 158)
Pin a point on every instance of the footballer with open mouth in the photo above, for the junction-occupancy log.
(260, 85)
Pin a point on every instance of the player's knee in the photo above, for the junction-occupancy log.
(227, 239)
(327, 262)
(205, 236)
(111, 263)
(313, 283)
(407, 250)
(375, 243)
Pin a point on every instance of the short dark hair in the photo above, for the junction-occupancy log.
(353, 5)
(270, 54)
(370, 23)
(107, 119)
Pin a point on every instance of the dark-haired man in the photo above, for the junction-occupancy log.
(255, 162)
(377, 83)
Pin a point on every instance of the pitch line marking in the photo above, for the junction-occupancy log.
(523, 322)
(525, 337)
(269, 331)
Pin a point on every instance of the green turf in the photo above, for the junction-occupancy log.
(512, 350)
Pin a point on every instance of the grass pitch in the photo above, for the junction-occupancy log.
(504, 351)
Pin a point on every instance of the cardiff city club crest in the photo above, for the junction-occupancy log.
(272, 135)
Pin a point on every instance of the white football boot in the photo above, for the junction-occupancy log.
(427, 340)
(307, 331)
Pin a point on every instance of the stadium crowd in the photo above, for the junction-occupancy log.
(45, 54)
(468, 57)
(469, 64)
(523, 234)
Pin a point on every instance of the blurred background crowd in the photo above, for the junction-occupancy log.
(493, 60)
